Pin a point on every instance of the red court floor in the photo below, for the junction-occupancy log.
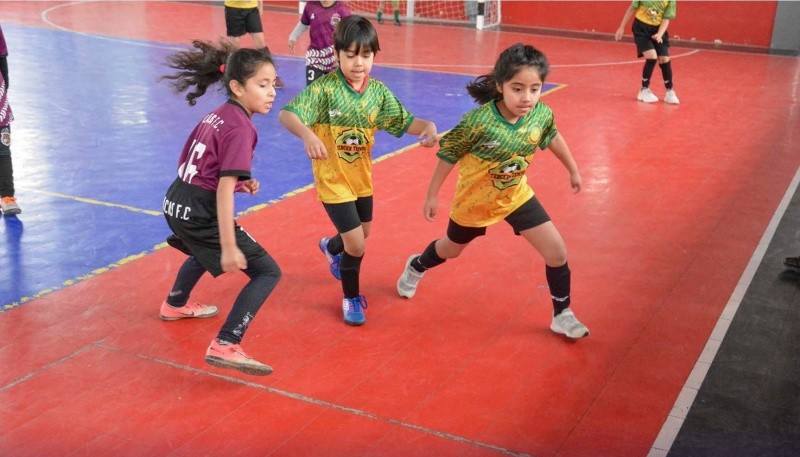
(675, 203)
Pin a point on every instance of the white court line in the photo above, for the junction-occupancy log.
(432, 67)
(272, 390)
(674, 422)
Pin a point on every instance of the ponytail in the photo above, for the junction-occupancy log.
(206, 64)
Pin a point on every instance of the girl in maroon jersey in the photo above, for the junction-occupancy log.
(8, 202)
(199, 205)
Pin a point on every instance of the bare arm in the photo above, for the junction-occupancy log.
(232, 258)
(662, 29)
(625, 19)
(424, 130)
(313, 146)
(431, 200)
(560, 149)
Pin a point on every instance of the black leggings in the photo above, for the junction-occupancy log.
(264, 275)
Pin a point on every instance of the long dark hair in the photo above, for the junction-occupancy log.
(201, 66)
(484, 88)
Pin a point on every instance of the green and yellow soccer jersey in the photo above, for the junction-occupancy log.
(346, 121)
(653, 13)
(492, 156)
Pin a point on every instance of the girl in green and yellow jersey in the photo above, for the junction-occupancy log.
(493, 146)
(652, 18)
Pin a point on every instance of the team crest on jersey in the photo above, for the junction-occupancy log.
(350, 144)
(535, 135)
(508, 173)
(5, 137)
(335, 19)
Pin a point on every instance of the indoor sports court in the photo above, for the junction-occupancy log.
(676, 245)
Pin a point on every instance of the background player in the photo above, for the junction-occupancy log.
(652, 42)
(321, 19)
(243, 16)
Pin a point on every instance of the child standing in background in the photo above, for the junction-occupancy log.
(199, 205)
(652, 42)
(321, 19)
(337, 118)
(8, 202)
(243, 16)
(493, 146)
(395, 11)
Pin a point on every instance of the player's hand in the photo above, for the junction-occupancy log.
(232, 260)
(658, 38)
(251, 186)
(618, 35)
(428, 136)
(314, 148)
(575, 181)
(429, 209)
(291, 45)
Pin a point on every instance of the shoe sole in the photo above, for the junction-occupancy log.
(169, 318)
(246, 369)
(560, 332)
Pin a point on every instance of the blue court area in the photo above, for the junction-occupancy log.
(96, 139)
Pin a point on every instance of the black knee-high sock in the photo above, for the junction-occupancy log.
(336, 245)
(647, 72)
(6, 176)
(666, 70)
(558, 279)
(428, 259)
(350, 268)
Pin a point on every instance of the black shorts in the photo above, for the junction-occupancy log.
(530, 214)
(313, 74)
(349, 215)
(239, 21)
(191, 214)
(643, 36)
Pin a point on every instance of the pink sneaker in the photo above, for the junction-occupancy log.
(228, 355)
(191, 309)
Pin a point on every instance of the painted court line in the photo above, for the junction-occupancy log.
(326, 404)
(674, 422)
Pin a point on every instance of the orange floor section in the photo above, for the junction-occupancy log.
(675, 201)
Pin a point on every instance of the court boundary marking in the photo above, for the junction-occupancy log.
(425, 67)
(99, 344)
(680, 409)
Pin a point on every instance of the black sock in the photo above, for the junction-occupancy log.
(6, 176)
(336, 245)
(647, 72)
(350, 268)
(558, 279)
(666, 70)
(428, 259)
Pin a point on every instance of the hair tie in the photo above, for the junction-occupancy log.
(222, 68)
